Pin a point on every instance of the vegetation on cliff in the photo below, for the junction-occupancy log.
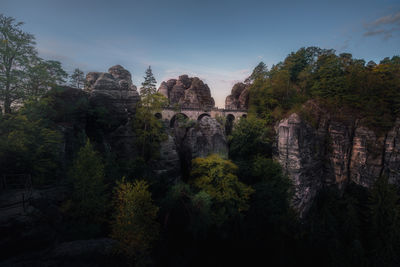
(233, 210)
(370, 91)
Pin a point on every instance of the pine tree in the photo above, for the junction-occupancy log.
(149, 84)
(89, 200)
(77, 78)
(259, 72)
(148, 129)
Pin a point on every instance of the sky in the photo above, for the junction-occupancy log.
(219, 41)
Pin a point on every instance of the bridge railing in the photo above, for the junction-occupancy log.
(206, 110)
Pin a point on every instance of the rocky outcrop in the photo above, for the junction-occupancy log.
(331, 151)
(114, 93)
(168, 165)
(206, 138)
(392, 154)
(239, 97)
(298, 152)
(199, 139)
(187, 93)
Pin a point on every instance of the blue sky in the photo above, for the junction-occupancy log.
(218, 41)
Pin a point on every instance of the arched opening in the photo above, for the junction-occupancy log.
(202, 116)
(180, 117)
(229, 124)
(158, 116)
(244, 116)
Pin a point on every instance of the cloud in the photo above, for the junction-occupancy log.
(385, 26)
(389, 19)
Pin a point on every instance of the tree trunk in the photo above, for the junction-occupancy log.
(7, 105)
(7, 98)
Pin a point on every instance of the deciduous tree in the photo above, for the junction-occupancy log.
(134, 225)
(16, 53)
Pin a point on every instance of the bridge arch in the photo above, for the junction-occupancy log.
(158, 115)
(175, 117)
(202, 116)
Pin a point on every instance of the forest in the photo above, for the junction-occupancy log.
(223, 210)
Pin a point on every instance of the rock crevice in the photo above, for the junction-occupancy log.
(334, 152)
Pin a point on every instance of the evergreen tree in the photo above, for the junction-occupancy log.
(134, 225)
(77, 78)
(89, 199)
(149, 84)
(259, 72)
(149, 129)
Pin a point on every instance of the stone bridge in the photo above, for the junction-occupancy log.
(196, 114)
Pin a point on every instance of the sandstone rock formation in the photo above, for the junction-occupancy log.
(200, 139)
(187, 93)
(334, 152)
(239, 97)
(114, 92)
(169, 163)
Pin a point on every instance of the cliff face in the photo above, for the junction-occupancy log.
(334, 152)
(239, 97)
(187, 93)
(200, 139)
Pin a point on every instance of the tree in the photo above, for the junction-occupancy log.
(77, 78)
(149, 84)
(134, 225)
(148, 129)
(28, 144)
(16, 52)
(217, 178)
(259, 72)
(249, 138)
(384, 223)
(43, 75)
(89, 199)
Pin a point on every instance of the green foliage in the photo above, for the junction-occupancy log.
(148, 129)
(17, 51)
(273, 191)
(371, 91)
(216, 177)
(149, 84)
(77, 78)
(89, 198)
(29, 144)
(23, 74)
(259, 72)
(41, 76)
(134, 225)
(384, 223)
(250, 137)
